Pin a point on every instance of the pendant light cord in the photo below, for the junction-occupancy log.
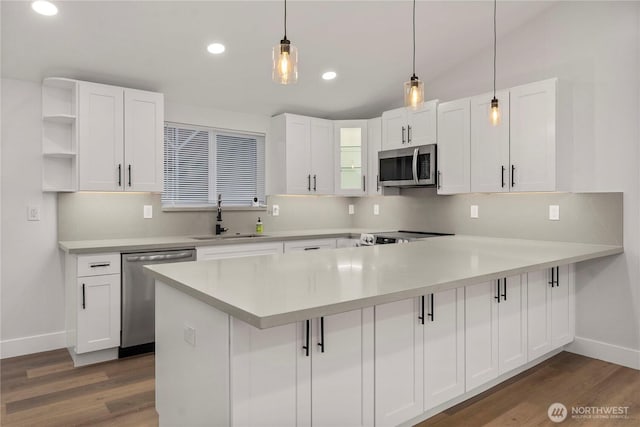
(494, 47)
(414, 38)
(285, 19)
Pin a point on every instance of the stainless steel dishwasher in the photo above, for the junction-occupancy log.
(138, 298)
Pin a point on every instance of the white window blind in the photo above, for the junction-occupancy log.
(201, 163)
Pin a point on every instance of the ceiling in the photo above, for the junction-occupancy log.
(161, 46)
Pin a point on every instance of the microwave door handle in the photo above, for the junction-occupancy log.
(415, 165)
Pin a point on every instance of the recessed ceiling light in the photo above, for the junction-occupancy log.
(216, 48)
(44, 8)
(329, 75)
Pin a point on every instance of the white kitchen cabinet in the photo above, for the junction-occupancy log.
(275, 371)
(205, 253)
(120, 139)
(550, 298)
(302, 155)
(490, 167)
(512, 323)
(454, 147)
(374, 145)
(533, 136)
(309, 245)
(402, 126)
(351, 157)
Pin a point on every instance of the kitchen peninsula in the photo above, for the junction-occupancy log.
(301, 338)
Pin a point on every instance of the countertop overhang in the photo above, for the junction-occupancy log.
(273, 290)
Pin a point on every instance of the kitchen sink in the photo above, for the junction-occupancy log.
(227, 237)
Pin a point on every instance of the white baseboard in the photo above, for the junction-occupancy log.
(33, 344)
(604, 351)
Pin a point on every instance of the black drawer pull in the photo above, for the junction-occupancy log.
(84, 302)
(102, 264)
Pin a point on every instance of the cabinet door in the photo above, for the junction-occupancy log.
(394, 129)
(298, 152)
(399, 367)
(444, 355)
(374, 145)
(342, 374)
(533, 136)
(351, 157)
(538, 313)
(490, 171)
(421, 124)
(512, 321)
(205, 253)
(309, 245)
(561, 331)
(144, 140)
(100, 145)
(454, 147)
(265, 369)
(481, 334)
(322, 156)
(98, 313)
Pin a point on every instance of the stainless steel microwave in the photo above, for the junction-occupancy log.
(408, 167)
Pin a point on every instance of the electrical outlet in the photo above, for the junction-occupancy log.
(554, 212)
(33, 213)
(474, 211)
(275, 210)
(147, 212)
(376, 209)
(190, 335)
(352, 209)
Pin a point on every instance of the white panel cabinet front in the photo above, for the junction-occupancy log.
(98, 313)
(309, 245)
(454, 147)
(374, 145)
(322, 156)
(205, 253)
(394, 129)
(512, 323)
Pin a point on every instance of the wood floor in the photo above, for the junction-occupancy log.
(45, 390)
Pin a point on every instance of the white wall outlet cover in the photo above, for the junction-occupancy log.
(275, 210)
(554, 212)
(190, 335)
(352, 209)
(33, 213)
(376, 209)
(148, 212)
(474, 211)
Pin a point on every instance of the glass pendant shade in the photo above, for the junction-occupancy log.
(414, 93)
(285, 63)
(494, 112)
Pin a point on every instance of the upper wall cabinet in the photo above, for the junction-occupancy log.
(301, 155)
(454, 147)
(374, 145)
(120, 139)
(351, 157)
(402, 126)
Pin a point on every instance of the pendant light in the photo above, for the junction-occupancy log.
(285, 58)
(494, 112)
(414, 88)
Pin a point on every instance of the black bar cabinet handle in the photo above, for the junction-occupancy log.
(502, 175)
(421, 317)
(378, 182)
(305, 347)
(364, 183)
(553, 280)
(513, 176)
(403, 141)
(497, 296)
(433, 309)
(129, 175)
(84, 302)
(439, 180)
(315, 183)
(504, 284)
(119, 174)
(103, 264)
(311, 248)
(309, 182)
(321, 343)
(409, 134)
(557, 277)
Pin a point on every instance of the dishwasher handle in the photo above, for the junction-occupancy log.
(160, 257)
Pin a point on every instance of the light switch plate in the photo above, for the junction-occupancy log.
(275, 210)
(352, 209)
(554, 212)
(474, 211)
(33, 213)
(148, 211)
(190, 335)
(376, 209)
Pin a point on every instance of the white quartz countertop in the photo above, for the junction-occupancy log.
(273, 290)
(179, 242)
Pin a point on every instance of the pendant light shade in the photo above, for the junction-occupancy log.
(414, 88)
(494, 112)
(285, 58)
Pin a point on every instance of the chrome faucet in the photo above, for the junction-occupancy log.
(219, 228)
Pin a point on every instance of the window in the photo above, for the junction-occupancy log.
(200, 163)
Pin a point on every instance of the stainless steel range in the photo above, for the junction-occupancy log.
(402, 236)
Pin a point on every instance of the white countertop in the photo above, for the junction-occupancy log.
(273, 290)
(179, 242)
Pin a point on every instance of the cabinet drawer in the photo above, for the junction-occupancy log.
(95, 265)
(309, 245)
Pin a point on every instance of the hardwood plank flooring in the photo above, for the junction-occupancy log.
(45, 390)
